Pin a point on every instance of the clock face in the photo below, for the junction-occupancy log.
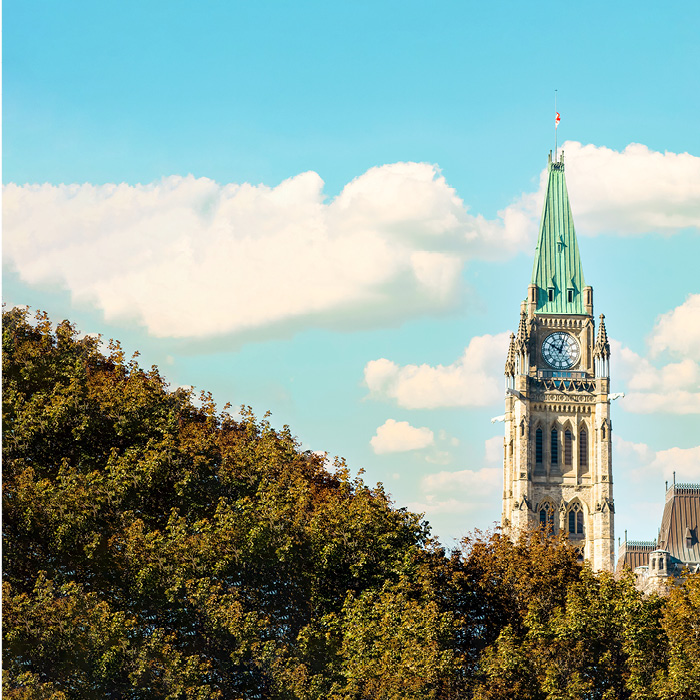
(560, 350)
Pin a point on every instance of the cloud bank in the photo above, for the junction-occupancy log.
(642, 464)
(190, 258)
(632, 191)
(455, 501)
(475, 379)
(678, 331)
(671, 387)
(645, 472)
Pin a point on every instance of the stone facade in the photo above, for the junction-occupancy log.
(557, 465)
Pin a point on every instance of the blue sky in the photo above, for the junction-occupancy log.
(320, 209)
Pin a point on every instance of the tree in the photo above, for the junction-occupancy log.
(681, 623)
(158, 549)
(554, 630)
(154, 548)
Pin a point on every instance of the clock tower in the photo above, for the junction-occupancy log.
(557, 465)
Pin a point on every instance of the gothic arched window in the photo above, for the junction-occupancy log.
(583, 450)
(554, 446)
(568, 439)
(576, 519)
(547, 516)
(538, 446)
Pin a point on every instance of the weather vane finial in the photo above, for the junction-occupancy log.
(557, 119)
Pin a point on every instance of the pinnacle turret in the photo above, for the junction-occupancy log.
(601, 351)
(602, 346)
(523, 335)
(510, 360)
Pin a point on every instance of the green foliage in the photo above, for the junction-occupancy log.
(397, 641)
(681, 623)
(154, 548)
(157, 549)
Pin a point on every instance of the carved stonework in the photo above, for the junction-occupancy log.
(561, 398)
(557, 427)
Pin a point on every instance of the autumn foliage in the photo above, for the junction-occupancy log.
(156, 548)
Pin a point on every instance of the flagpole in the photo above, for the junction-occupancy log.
(555, 126)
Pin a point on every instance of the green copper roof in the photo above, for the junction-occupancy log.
(557, 261)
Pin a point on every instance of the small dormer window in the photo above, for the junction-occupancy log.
(688, 538)
(550, 294)
(570, 295)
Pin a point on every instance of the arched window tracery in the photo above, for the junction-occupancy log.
(583, 450)
(554, 446)
(576, 520)
(568, 447)
(546, 513)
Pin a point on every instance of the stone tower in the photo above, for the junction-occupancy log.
(557, 466)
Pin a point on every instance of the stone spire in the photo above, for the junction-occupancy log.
(557, 271)
(601, 351)
(523, 335)
(522, 354)
(602, 346)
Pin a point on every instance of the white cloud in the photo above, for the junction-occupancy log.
(640, 474)
(460, 501)
(468, 482)
(636, 190)
(641, 463)
(673, 387)
(637, 453)
(439, 457)
(400, 436)
(493, 448)
(475, 379)
(187, 257)
(680, 402)
(678, 331)
(684, 461)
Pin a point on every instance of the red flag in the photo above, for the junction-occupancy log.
(557, 119)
